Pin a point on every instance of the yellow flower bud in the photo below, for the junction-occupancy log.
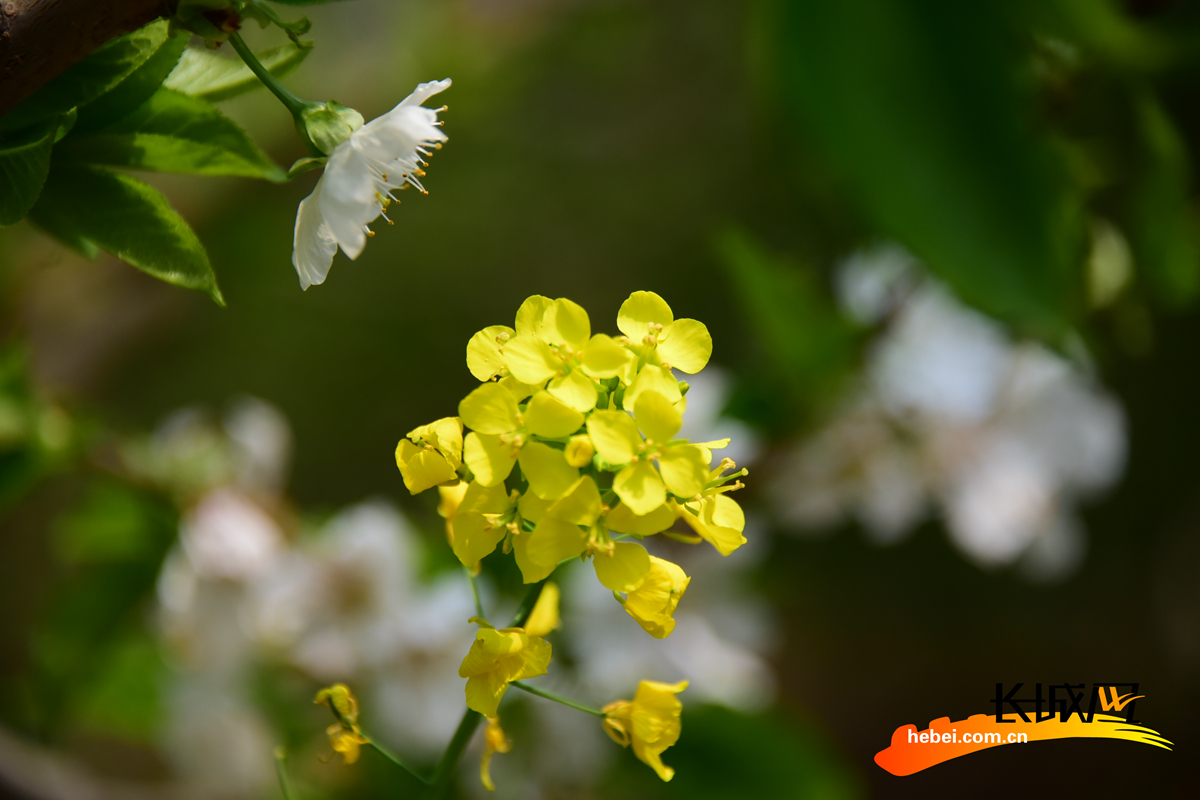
(579, 451)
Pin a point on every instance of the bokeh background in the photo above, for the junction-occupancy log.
(949, 256)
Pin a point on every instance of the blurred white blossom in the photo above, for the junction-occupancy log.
(1003, 438)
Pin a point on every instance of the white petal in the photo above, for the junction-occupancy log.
(348, 199)
(424, 91)
(313, 245)
(398, 134)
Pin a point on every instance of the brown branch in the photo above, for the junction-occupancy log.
(41, 38)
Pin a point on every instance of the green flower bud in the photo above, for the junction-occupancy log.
(327, 125)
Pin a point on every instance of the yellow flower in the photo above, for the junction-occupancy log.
(431, 454)
(682, 467)
(345, 741)
(557, 534)
(552, 343)
(474, 529)
(450, 497)
(715, 516)
(544, 617)
(497, 657)
(653, 601)
(660, 339)
(650, 723)
(344, 735)
(501, 433)
(494, 741)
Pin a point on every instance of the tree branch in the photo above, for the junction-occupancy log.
(41, 38)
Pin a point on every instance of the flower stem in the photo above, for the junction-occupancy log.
(293, 104)
(475, 591)
(549, 696)
(390, 756)
(281, 772)
(440, 781)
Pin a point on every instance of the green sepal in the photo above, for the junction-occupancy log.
(304, 165)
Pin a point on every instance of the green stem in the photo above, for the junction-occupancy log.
(527, 604)
(293, 104)
(281, 773)
(390, 756)
(445, 768)
(475, 591)
(524, 687)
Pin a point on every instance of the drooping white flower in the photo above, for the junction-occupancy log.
(385, 154)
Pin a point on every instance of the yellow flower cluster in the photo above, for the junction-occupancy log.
(573, 449)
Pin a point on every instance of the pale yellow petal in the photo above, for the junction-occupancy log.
(548, 416)
(623, 570)
(684, 470)
(421, 468)
(575, 390)
(490, 409)
(566, 323)
(484, 356)
(544, 617)
(622, 520)
(539, 551)
(532, 507)
(604, 357)
(687, 346)
(547, 470)
(614, 435)
(652, 378)
(657, 417)
(580, 505)
(530, 360)
(641, 310)
(531, 315)
(489, 458)
(640, 487)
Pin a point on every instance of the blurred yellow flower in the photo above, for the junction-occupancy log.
(344, 735)
(495, 659)
(494, 741)
(650, 723)
(345, 741)
(544, 617)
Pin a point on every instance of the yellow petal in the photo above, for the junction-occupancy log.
(654, 601)
(532, 507)
(623, 570)
(657, 417)
(566, 323)
(489, 458)
(484, 693)
(530, 360)
(484, 356)
(652, 378)
(580, 505)
(534, 659)
(531, 315)
(539, 551)
(614, 435)
(654, 723)
(604, 357)
(640, 311)
(421, 468)
(445, 435)
(640, 487)
(341, 701)
(547, 470)
(544, 617)
(720, 523)
(575, 390)
(475, 535)
(687, 346)
(519, 390)
(684, 470)
(550, 417)
(490, 409)
(622, 520)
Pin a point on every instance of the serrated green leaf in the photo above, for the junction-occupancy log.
(24, 165)
(83, 82)
(135, 90)
(91, 207)
(213, 77)
(172, 132)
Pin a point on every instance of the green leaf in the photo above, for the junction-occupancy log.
(104, 69)
(91, 208)
(135, 90)
(917, 106)
(23, 169)
(172, 132)
(203, 73)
